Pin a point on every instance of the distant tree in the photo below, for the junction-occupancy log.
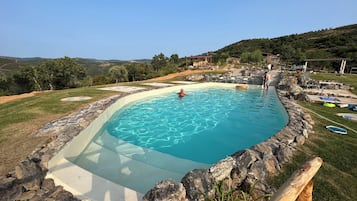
(287, 53)
(245, 57)
(3, 80)
(118, 73)
(86, 82)
(174, 58)
(25, 79)
(159, 61)
(319, 54)
(138, 71)
(101, 79)
(53, 74)
(221, 58)
(66, 73)
(256, 56)
(5, 83)
(299, 56)
(171, 68)
(48, 73)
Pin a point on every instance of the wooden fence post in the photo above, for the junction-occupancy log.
(306, 194)
(299, 183)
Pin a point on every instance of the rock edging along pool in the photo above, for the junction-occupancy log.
(102, 143)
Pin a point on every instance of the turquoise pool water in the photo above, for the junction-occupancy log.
(190, 127)
(166, 136)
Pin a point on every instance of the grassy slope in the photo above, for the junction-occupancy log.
(350, 79)
(336, 180)
(338, 42)
(18, 119)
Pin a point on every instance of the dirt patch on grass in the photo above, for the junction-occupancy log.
(173, 75)
(5, 99)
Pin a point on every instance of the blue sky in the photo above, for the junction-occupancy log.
(137, 29)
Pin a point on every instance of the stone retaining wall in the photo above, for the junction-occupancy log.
(240, 170)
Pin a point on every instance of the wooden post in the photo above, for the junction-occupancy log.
(297, 183)
(342, 67)
(306, 194)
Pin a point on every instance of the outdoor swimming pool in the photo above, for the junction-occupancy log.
(164, 136)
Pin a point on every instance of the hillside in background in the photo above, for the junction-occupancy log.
(97, 67)
(340, 42)
(9, 65)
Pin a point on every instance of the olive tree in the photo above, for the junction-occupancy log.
(53, 74)
(159, 61)
(119, 73)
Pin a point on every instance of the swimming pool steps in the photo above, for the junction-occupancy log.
(126, 164)
(148, 156)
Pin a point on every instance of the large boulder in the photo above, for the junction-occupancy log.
(222, 169)
(26, 170)
(245, 158)
(167, 190)
(285, 136)
(195, 77)
(300, 139)
(60, 194)
(256, 188)
(8, 187)
(263, 148)
(285, 154)
(264, 168)
(198, 184)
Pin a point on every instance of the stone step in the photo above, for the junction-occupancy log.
(139, 169)
(148, 156)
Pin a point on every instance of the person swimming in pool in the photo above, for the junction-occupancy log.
(181, 94)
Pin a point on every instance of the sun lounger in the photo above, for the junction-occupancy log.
(329, 99)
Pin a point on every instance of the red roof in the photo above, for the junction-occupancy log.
(199, 57)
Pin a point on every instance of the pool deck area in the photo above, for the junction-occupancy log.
(82, 183)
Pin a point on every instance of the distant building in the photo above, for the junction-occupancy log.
(200, 61)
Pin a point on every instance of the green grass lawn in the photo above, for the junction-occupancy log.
(337, 178)
(18, 119)
(350, 79)
(47, 103)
